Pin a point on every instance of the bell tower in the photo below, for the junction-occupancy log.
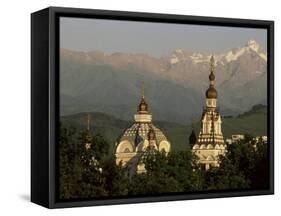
(210, 143)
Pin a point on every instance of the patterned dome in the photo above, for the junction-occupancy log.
(140, 131)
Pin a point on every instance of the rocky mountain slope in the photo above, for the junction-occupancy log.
(174, 84)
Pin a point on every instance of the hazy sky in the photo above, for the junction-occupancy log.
(155, 39)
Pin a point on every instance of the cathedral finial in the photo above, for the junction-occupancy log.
(142, 89)
(212, 63)
(143, 107)
(212, 70)
(211, 92)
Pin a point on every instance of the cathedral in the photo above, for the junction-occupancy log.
(141, 138)
(210, 142)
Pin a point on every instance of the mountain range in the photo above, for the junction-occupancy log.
(175, 84)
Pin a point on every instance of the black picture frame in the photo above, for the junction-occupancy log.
(45, 101)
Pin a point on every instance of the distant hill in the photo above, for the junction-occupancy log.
(253, 122)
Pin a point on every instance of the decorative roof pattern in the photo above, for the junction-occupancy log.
(139, 132)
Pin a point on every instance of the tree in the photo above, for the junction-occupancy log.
(80, 166)
(259, 174)
(86, 170)
(166, 173)
(116, 181)
(69, 164)
(245, 166)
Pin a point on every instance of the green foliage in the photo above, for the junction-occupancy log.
(87, 172)
(174, 172)
(245, 166)
(92, 172)
(116, 181)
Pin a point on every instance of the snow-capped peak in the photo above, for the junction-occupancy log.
(180, 55)
(177, 56)
(252, 44)
(197, 58)
(234, 55)
(174, 60)
(179, 51)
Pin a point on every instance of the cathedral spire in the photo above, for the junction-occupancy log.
(142, 90)
(212, 70)
(210, 136)
(211, 92)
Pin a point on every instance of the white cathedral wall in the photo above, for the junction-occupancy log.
(211, 102)
(124, 157)
(124, 152)
(207, 125)
(143, 117)
(217, 127)
(203, 154)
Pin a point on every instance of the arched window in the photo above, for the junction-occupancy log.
(196, 146)
(203, 146)
(127, 150)
(124, 146)
(164, 146)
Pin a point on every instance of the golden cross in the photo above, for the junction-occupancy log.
(142, 89)
(212, 63)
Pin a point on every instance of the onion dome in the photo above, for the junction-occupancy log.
(212, 76)
(211, 93)
(192, 138)
(143, 107)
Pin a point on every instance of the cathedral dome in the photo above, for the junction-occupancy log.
(139, 132)
(211, 93)
(141, 138)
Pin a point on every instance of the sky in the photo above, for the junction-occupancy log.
(155, 39)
